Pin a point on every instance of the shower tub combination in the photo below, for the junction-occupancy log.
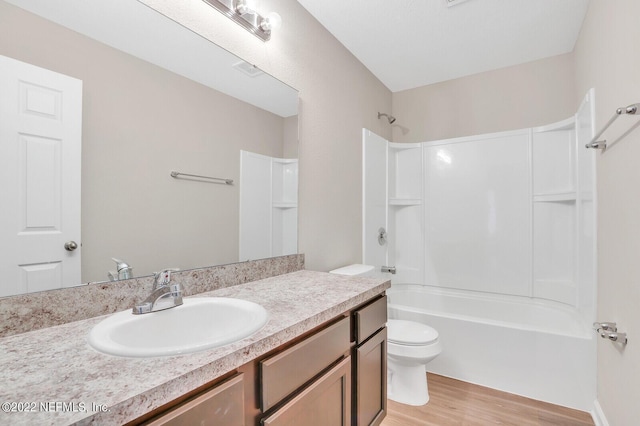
(529, 349)
(493, 240)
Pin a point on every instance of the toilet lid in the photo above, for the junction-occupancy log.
(410, 333)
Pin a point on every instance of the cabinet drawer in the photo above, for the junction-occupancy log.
(370, 319)
(221, 406)
(325, 402)
(287, 371)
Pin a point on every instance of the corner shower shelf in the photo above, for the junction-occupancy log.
(285, 204)
(405, 202)
(401, 146)
(555, 197)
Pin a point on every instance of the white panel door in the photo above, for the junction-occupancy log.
(40, 145)
(374, 198)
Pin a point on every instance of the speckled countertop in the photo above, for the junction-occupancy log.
(55, 373)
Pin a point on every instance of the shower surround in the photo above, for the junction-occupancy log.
(493, 236)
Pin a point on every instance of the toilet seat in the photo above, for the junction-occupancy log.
(410, 333)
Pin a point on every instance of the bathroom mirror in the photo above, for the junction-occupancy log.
(156, 98)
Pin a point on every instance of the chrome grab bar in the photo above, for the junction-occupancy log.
(176, 175)
(633, 109)
(606, 326)
(609, 330)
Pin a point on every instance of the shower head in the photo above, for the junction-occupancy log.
(391, 118)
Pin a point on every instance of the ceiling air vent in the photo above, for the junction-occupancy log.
(248, 69)
(454, 2)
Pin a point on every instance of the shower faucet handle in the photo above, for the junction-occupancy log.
(382, 236)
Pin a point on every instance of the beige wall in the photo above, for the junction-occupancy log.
(607, 57)
(290, 140)
(338, 97)
(532, 94)
(139, 123)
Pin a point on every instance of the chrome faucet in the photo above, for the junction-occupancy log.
(390, 269)
(124, 271)
(163, 296)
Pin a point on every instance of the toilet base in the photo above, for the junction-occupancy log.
(407, 384)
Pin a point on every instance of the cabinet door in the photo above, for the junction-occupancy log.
(327, 401)
(221, 406)
(371, 380)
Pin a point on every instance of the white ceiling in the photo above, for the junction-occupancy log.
(412, 43)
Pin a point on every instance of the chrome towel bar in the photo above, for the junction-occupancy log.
(176, 175)
(609, 330)
(633, 109)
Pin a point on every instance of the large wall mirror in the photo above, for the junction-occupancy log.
(156, 98)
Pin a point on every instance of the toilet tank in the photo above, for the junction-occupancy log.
(356, 270)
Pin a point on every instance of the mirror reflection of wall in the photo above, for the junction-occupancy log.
(139, 122)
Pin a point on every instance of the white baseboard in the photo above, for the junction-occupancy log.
(598, 415)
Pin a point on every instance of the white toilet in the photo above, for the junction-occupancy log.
(410, 346)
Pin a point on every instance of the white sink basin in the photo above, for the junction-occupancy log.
(196, 325)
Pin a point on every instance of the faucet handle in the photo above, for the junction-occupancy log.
(120, 264)
(163, 277)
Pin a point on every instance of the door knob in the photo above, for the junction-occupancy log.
(70, 245)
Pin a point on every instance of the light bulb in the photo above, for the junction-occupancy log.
(271, 21)
(245, 6)
(252, 5)
(241, 7)
(275, 20)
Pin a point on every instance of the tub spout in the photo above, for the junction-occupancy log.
(390, 269)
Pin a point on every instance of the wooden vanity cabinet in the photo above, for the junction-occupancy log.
(335, 375)
(222, 405)
(370, 363)
(326, 401)
(310, 382)
(281, 374)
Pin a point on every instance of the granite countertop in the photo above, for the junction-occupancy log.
(58, 379)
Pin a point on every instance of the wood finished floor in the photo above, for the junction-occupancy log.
(453, 402)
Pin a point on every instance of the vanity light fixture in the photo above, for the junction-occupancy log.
(243, 13)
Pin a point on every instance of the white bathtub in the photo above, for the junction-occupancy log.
(527, 348)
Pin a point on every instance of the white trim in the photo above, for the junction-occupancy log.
(477, 138)
(598, 415)
(566, 124)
